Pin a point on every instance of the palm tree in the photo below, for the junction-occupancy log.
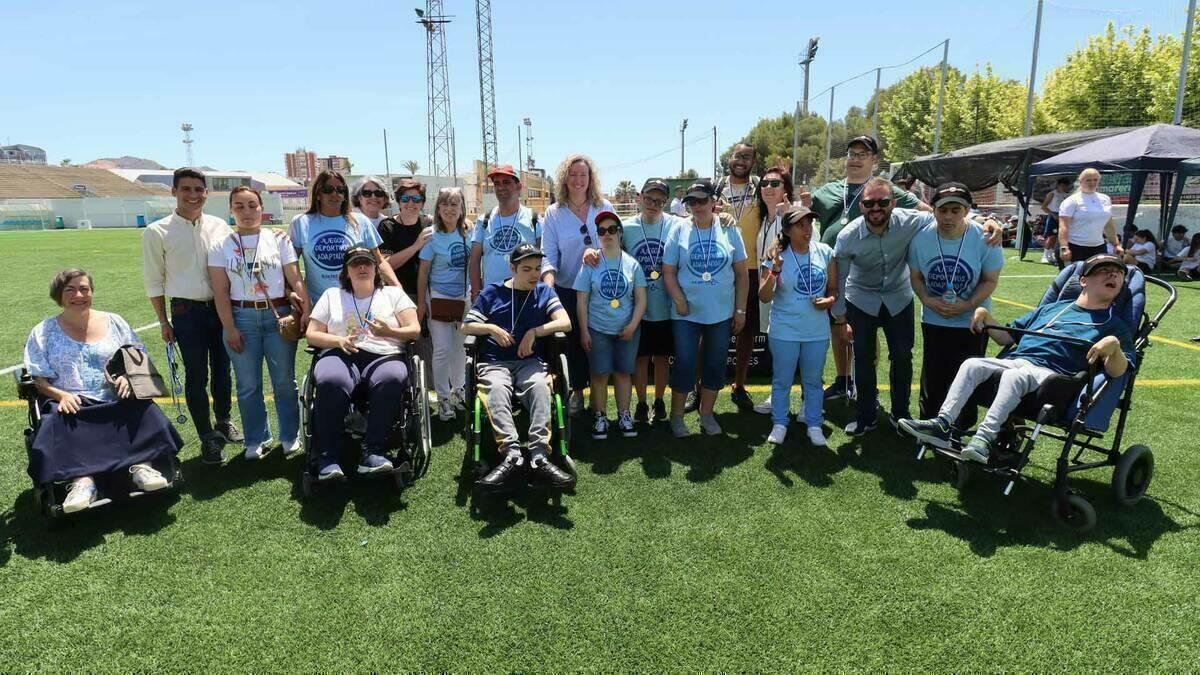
(412, 166)
(625, 192)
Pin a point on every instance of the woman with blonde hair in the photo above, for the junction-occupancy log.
(1085, 221)
(570, 232)
(442, 297)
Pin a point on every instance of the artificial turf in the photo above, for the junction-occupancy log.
(711, 554)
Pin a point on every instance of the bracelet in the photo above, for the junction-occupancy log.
(739, 311)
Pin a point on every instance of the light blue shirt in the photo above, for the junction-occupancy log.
(447, 254)
(695, 252)
(498, 235)
(804, 276)
(611, 279)
(323, 240)
(73, 366)
(953, 263)
(647, 245)
(564, 243)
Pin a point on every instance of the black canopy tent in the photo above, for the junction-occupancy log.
(1158, 148)
(1187, 169)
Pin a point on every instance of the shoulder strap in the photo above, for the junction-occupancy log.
(487, 221)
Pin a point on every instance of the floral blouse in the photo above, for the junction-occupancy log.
(73, 366)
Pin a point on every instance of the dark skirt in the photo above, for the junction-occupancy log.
(100, 438)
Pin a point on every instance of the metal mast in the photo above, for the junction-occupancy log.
(187, 141)
(441, 133)
(487, 84)
(529, 164)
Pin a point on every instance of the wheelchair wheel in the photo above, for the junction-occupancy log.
(424, 445)
(959, 474)
(1074, 512)
(1131, 477)
(307, 399)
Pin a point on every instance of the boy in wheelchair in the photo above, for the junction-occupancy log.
(510, 317)
(1048, 345)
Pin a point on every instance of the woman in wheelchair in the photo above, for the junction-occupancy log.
(1036, 357)
(512, 316)
(360, 327)
(90, 423)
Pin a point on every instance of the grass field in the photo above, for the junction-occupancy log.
(714, 554)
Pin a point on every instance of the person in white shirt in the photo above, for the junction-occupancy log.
(370, 197)
(1190, 260)
(1050, 206)
(678, 207)
(250, 271)
(175, 264)
(1143, 251)
(1175, 247)
(1085, 222)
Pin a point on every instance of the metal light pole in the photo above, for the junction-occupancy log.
(937, 130)
(716, 167)
(802, 113)
(829, 135)
(1037, 41)
(1183, 65)
(682, 128)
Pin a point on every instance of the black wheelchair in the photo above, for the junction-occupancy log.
(481, 455)
(110, 487)
(409, 437)
(1075, 410)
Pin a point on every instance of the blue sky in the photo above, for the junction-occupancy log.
(609, 79)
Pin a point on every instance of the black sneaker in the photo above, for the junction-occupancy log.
(660, 410)
(897, 420)
(212, 449)
(858, 428)
(550, 473)
(741, 399)
(230, 432)
(935, 432)
(839, 389)
(500, 475)
(692, 402)
(641, 413)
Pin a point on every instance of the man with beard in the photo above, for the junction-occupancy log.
(738, 193)
(497, 233)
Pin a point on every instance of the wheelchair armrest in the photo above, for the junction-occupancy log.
(309, 349)
(26, 389)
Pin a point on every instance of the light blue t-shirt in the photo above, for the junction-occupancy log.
(611, 279)
(447, 253)
(647, 244)
(943, 264)
(323, 240)
(499, 235)
(695, 252)
(804, 276)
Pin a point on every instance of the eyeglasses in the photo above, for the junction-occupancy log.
(773, 183)
(744, 156)
(858, 155)
(697, 202)
(653, 201)
(374, 193)
(611, 229)
(404, 199)
(872, 203)
(330, 189)
(587, 238)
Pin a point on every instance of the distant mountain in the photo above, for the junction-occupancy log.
(125, 162)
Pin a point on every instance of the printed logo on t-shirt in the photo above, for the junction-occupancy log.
(613, 285)
(810, 281)
(706, 256)
(327, 249)
(647, 253)
(505, 238)
(959, 273)
(458, 255)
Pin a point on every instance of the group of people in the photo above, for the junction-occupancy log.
(646, 301)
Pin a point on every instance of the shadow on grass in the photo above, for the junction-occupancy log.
(607, 456)
(499, 511)
(25, 532)
(796, 456)
(209, 481)
(375, 499)
(987, 521)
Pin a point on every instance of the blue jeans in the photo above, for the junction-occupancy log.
(198, 332)
(262, 340)
(688, 346)
(900, 333)
(786, 355)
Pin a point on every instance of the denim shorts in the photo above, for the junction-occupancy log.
(611, 354)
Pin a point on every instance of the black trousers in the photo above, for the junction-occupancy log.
(899, 333)
(198, 332)
(944, 351)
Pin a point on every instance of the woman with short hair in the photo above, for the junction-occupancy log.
(90, 422)
(1085, 221)
(370, 197)
(405, 234)
(442, 287)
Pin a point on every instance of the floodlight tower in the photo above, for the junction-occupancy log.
(187, 141)
(487, 84)
(441, 132)
(529, 164)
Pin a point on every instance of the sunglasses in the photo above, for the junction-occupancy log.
(654, 201)
(697, 202)
(872, 203)
(587, 238)
(330, 189)
(611, 229)
(405, 199)
(773, 183)
(374, 193)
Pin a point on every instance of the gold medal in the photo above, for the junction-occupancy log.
(614, 303)
(706, 276)
(653, 274)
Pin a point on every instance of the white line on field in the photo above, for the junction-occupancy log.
(13, 369)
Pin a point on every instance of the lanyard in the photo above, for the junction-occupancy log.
(738, 208)
(808, 289)
(853, 200)
(957, 256)
(1053, 320)
(649, 252)
(765, 232)
(511, 223)
(512, 326)
(249, 265)
(707, 249)
(357, 313)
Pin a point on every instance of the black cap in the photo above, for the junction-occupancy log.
(701, 189)
(523, 251)
(656, 184)
(793, 215)
(864, 140)
(1102, 260)
(952, 193)
(358, 253)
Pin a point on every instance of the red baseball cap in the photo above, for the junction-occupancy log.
(607, 215)
(504, 170)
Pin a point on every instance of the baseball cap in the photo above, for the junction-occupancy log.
(1102, 260)
(358, 253)
(952, 193)
(504, 170)
(606, 215)
(863, 140)
(701, 189)
(523, 251)
(656, 184)
(794, 215)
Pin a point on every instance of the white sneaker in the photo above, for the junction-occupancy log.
(708, 424)
(146, 478)
(292, 448)
(763, 407)
(778, 432)
(445, 409)
(459, 399)
(625, 424)
(80, 496)
(817, 437)
(600, 427)
(257, 452)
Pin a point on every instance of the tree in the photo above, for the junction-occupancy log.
(412, 166)
(65, 162)
(625, 192)
(689, 174)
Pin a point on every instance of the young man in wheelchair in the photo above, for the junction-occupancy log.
(511, 317)
(1036, 357)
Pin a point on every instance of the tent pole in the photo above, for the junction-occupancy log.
(1183, 63)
